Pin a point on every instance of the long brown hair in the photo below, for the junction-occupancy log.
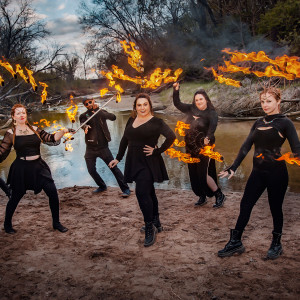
(141, 95)
(12, 113)
(204, 94)
(275, 92)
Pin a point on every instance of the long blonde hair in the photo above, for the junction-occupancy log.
(12, 113)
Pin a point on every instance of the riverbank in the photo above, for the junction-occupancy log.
(102, 255)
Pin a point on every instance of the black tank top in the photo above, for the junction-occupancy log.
(27, 145)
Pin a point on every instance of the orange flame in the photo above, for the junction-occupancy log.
(180, 126)
(119, 89)
(185, 157)
(31, 79)
(72, 114)
(233, 68)
(177, 143)
(68, 147)
(260, 156)
(21, 73)
(9, 68)
(135, 57)
(46, 122)
(225, 80)
(118, 99)
(175, 77)
(288, 157)
(1, 81)
(208, 151)
(103, 92)
(44, 92)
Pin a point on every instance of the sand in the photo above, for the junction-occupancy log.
(102, 255)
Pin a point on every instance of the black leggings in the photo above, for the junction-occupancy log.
(147, 199)
(275, 180)
(50, 190)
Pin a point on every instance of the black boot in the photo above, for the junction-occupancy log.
(201, 201)
(220, 198)
(276, 247)
(234, 245)
(150, 234)
(156, 223)
(8, 228)
(59, 227)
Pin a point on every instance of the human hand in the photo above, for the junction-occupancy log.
(148, 150)
(87, 129)
(226, 173)
(176, 86)
(206, 141)
(113, 163)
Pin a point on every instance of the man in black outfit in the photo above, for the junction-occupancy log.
(97, 137)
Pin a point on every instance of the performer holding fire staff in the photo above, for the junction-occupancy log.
(97, 137)
(29, 171)
(144, 163)
(203, 120)
(267, 134)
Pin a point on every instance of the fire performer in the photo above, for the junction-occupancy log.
(29, 171)
(203, 120)
(267, 134)
(144, 163)
(97, 137)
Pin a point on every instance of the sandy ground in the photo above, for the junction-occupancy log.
(102, 255)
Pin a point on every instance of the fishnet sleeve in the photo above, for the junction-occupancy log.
(5, 146)
(47, 138)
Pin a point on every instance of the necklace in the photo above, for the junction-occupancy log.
(268, 122)
(24, 132)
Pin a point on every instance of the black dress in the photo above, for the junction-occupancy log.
(139, 166)
(204, 126)
(27, 174)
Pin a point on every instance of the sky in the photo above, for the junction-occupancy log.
(61, 20)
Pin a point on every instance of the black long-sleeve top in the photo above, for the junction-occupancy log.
(268, 141)
(136, 139)
(25, 145)
(204, 126)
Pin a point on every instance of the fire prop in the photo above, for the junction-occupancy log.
(208, 151)
(185, 157)
(289, 159)
(44, 92)
(72, 113)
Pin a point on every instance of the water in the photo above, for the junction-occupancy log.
(69, 169)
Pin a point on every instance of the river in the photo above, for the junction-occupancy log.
(69, 169)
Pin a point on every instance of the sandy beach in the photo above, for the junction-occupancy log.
(102, 255)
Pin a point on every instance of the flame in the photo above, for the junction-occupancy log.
(233, 68)
(72, 114)
(208, 151)
(177, 143)
(135, 57)
(118, 99)
(289, 65)
(288, 157)
(185, 157)
(175, 77)
(68, 147)
(225, 80)
(1, 81)
(180, 126)
(260, 156)
(9, 68)
(31, 79)
(46, 122)
(118, 88)
(71, 97)
(103, 92)
(44, 92)
(21, 73)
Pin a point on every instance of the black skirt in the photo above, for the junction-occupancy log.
(28, 175)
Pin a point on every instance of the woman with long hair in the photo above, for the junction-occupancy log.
(267, 134)
(29, 171)
(203, 119)
(144, 164)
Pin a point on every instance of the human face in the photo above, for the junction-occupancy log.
(200, 102)
(269, 104)
(142, 107)
(20, 115)
(89, 104)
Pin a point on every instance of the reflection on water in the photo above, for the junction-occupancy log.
(69, 169)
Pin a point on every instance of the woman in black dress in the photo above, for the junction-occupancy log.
(144, 163)
(29, 171)
(203, 120)
(267, 134)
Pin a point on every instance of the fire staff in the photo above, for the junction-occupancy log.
(144, 163)
(29, 171)
(97, 137)
(267, 134)
(203, 120)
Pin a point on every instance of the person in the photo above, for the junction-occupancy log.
(97, 137)
(267, 134)
(203, 120)
(144, 163)
(29, 171)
